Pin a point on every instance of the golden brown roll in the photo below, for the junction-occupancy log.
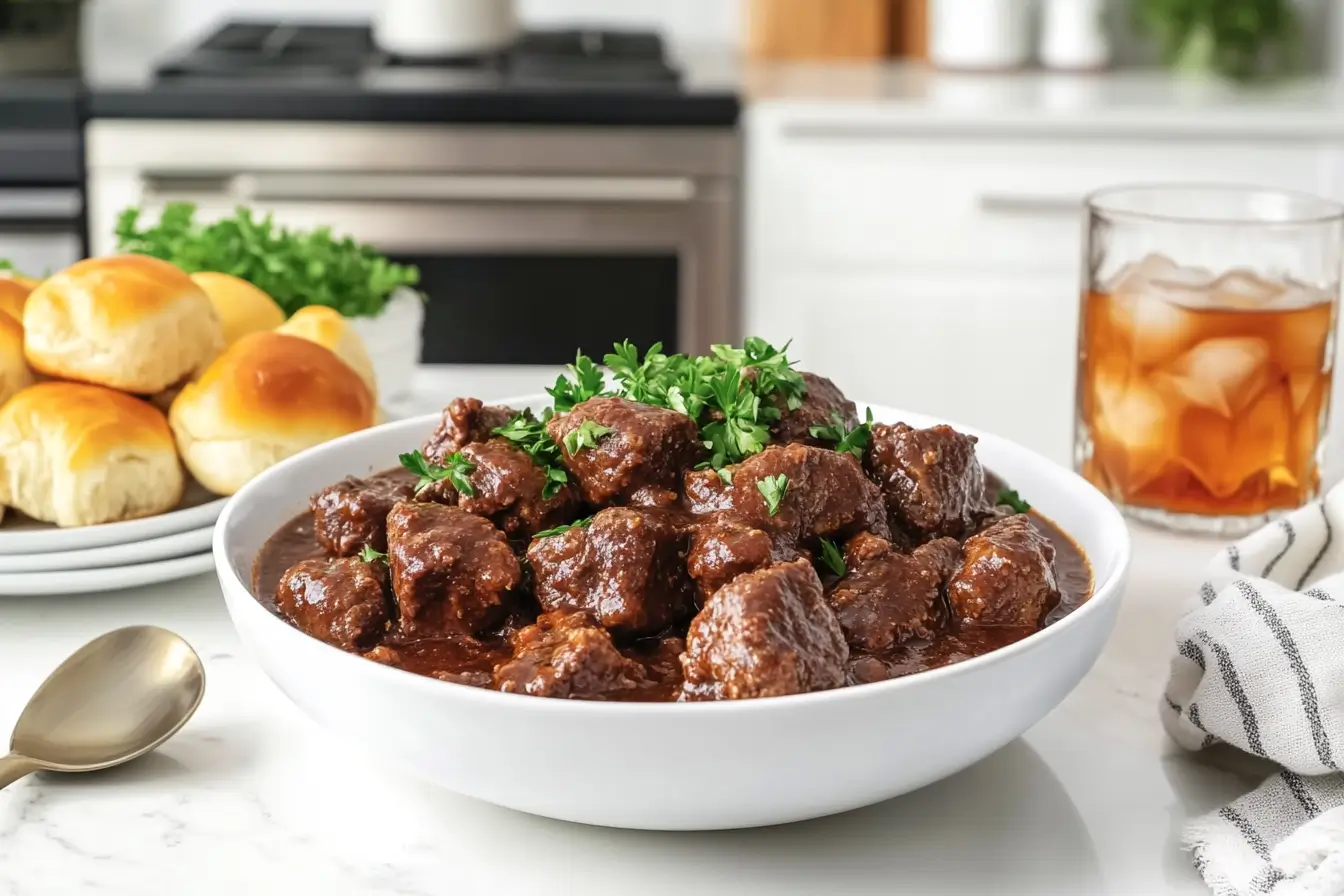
(269, 396)
(326, 327)
(129, 322)
(14, 295)
(78, 455)
(242, 307)
(14, 371)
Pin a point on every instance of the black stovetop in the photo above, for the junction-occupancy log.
(572, 58)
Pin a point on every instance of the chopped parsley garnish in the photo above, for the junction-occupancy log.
(585, 381)
(528, 432)
(773, 489)
(585, 436)
(831, 556)
(1012, 499)
(773, 370)
(855, 440)
(455, 469)
(739, 429)
(368, 554)
(577, 524)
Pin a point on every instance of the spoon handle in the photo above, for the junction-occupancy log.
(13, 767)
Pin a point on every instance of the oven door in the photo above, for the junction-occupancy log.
(40, 228)
(518, 269)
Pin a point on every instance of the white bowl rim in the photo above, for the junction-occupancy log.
(1102, 593)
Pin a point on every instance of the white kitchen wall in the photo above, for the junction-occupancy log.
(686, 21)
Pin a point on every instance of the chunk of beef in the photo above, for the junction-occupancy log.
(507, 487)
(931, 479)
(1007, 576)
(828, 495)
(765, 634)
(639, 461)
(567, 655)
(887, 597)
(465, 420)
(450, 569)
(724, 547)
(342, 602)
(353, 512)
(822, 403)
(627, 569)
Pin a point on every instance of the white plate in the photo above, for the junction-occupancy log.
(20, 535)
(85, 581)
(180, 544)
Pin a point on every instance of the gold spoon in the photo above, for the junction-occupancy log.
(114, 699)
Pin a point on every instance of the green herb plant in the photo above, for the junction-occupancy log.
(1240, 39)
(296, 268)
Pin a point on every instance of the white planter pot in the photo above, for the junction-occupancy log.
(393, 339)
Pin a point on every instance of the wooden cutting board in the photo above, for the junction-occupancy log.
(819, 29)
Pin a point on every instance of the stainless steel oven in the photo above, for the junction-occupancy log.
(530, 240)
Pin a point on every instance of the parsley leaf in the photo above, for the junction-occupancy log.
(455, 469)
(855, 441)
(1012, 499)
(585, 381)
(585, 436)
(773, 489)
(725, 475)
(528, 432)
(831, 556)
(368, 554)
(296, 268)
(577, 524)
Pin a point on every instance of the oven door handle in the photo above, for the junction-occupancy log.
(381, 187)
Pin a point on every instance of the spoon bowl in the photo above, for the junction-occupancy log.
(116, 698)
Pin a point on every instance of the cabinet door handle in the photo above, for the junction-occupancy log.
(1033, 206)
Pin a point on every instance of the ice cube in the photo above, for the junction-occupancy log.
(1135, 431)
(1136, 275)
(1155, 329)
(1244, 290)
(1225, 453)
(1221, 375)
(1300, 337)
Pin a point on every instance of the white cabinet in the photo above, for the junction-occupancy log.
(938, 268)
(968, 348)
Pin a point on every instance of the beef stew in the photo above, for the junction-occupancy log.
(778, 551)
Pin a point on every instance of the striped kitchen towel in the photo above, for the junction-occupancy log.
(1260, 665)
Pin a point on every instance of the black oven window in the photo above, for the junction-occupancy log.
(536, 309)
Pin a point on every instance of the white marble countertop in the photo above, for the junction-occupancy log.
(252, 797)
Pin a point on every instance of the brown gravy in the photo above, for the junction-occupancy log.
(467, 660)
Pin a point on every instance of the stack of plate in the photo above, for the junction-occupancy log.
(38, 558)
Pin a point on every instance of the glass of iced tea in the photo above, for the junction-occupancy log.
(1206, 349)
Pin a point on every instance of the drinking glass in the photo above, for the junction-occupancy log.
(1205, 352)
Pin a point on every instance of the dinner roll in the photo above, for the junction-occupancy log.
(77, 455)
(14, 295)
(270, 395)
(14, 371)
(242, 307)
(130, 322)
(326, 327)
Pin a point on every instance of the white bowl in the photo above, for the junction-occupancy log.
(675, 766)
